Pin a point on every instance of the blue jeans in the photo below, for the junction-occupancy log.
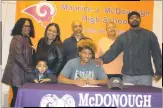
(138, 80)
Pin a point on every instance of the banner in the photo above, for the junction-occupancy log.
(93, 14)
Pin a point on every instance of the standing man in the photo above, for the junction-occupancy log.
(104, 43)
(69, 44)
(138, 45)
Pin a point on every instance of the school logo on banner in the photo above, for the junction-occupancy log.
(42, 12)
(97, 100)
(51, 100)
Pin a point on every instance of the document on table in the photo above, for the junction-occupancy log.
(87, 85)
(128, 83)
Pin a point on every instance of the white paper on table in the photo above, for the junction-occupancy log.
(87, 85)
(128, 84)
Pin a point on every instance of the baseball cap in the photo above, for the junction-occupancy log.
(115, 82)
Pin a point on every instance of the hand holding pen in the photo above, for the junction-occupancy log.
(80, 81)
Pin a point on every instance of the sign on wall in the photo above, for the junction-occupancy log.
(93, 14)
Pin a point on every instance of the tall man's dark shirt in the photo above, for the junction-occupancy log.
(138, 47)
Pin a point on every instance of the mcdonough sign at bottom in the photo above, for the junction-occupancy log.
(97, 100)
(56, 95)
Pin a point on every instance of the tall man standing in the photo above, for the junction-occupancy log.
(138, 45)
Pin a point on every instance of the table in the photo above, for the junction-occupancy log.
(57, 95)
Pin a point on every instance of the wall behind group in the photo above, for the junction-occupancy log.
(94, 16)
(9, 18)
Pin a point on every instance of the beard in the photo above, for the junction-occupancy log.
(134, 24)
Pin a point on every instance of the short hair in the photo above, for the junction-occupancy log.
(110, 22)
(41, 60)
(74, 22)
(57, 39)
(133, 13)
(17, 30)
(86, 44)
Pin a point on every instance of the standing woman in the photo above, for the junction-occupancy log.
(19, 62)
(50, 48)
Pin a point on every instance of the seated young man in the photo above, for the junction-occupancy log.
(41, 74)
(82, 70)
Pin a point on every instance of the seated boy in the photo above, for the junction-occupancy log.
(82, 70)
(41, 74)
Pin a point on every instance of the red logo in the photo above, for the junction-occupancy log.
(42, 12)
